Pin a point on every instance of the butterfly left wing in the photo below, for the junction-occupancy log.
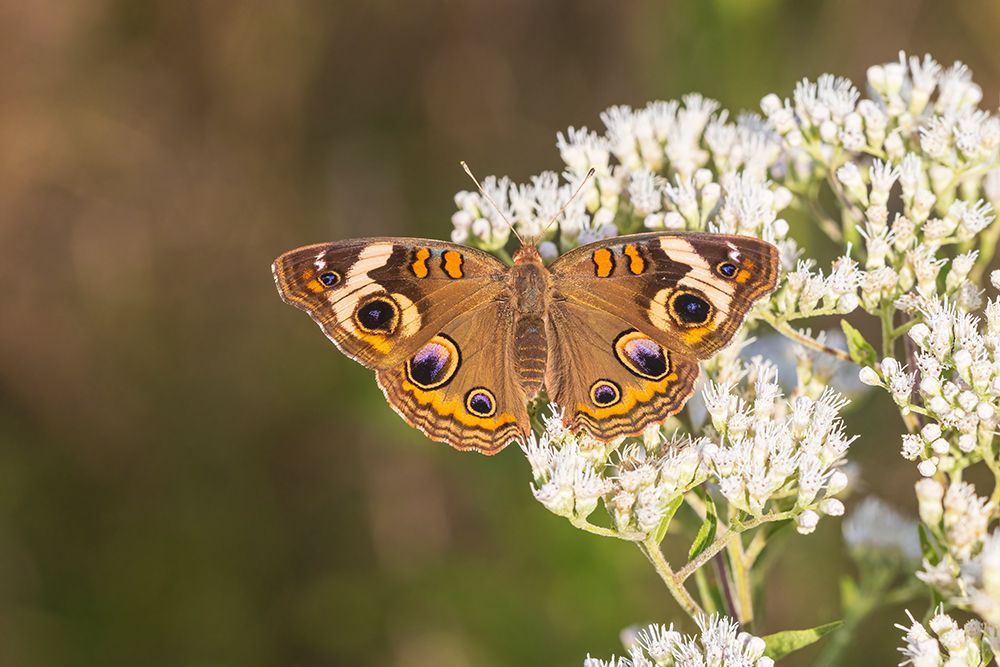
(631, 317)
(696, 289)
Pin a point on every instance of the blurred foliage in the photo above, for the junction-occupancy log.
(189, 473)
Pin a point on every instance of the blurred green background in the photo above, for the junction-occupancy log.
(190, 474)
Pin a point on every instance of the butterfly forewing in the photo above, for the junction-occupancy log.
(696, 288)
(381, 299)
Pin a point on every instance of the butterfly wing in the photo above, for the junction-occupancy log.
(433, 319)
(631, 317)
(695, 288)
(380, 299)
(461, 386)
(611, 379)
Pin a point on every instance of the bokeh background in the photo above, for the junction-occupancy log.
(190, 474)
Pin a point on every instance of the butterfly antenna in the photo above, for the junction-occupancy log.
(490, 200)
(569, 201)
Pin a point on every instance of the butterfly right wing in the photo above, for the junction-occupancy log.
(461, 387)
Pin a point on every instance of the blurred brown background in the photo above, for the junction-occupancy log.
(190, 474)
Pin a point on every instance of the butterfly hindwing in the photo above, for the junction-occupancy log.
(610, 379)
(460, 386)
(381, 299)
(696, 288)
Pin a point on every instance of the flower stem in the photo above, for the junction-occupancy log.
(674, 584)
(885, 316)
(585, 525)
(723, 539)
(741, 579)
(788, 331)
(704, 592)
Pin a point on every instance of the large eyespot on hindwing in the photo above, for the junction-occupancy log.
(435, 364)
(480, 402)
(642, 355)
(377, 315)
(605, 393)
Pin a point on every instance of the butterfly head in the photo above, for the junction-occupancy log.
(527, 254)
(529, 249)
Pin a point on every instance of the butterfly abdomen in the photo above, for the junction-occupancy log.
(530, 283)
(530, 352)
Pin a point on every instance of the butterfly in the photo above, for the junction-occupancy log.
(461, 342)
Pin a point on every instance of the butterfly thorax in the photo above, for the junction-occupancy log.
(530, 283)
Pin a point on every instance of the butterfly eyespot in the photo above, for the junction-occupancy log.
(329, 278)
(604, 393)
(379, 315)
(727, 269)
(641, 355)
(435, 364)
(480, 402)
(690, 308)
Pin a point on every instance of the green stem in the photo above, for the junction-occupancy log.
(991, 462)
(885, 316)
(723, 539)
(585, 525)
(705, 592)
(904, 327)
(788, 331)
(988, 241)
(741, 580)
(674, 584)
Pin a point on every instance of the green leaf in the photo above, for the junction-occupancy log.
(661, 530)
(927, 545)
(781, 644)
(707, 531)
(861, 351)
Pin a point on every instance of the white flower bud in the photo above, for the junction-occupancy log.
(940, 446)
(831, 507)
(931, 432)
(967, 442)
(930, 493)
(927, 468)
(828, 131)
(807, 522)
(770, 103)
(869, 376)
(838, 482)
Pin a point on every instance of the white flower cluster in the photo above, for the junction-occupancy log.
(939, 153)
(874, 530)
(667, 166)
(967, 569)
(719, 644)
(958, 358)
(775, 454)
(573, 472)
(529, 207)
(947, 644)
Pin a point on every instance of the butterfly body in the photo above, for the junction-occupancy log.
(460, 342)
